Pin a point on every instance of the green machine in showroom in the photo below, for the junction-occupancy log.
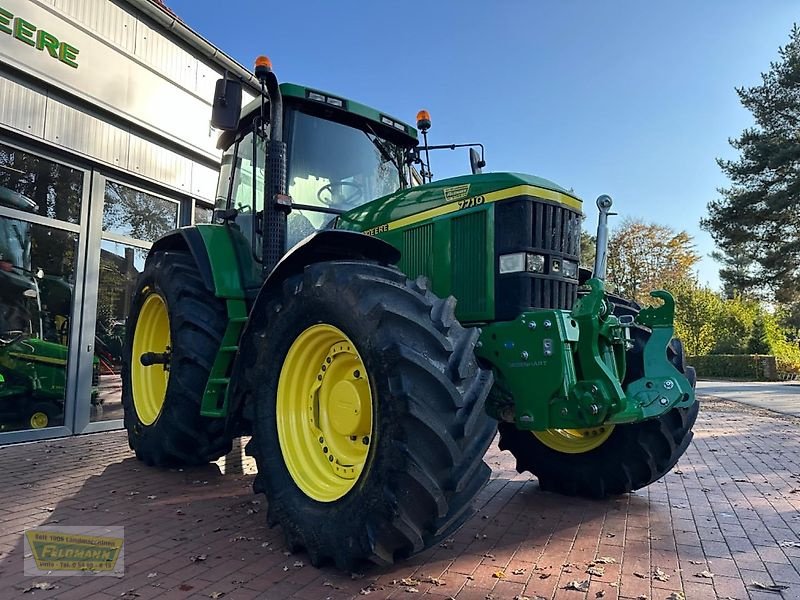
(317, 314)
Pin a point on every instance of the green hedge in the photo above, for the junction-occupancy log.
(741, 366)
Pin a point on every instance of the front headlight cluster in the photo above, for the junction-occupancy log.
(520, 262)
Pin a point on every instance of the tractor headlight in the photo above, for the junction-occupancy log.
(511, 263)
(535, 263)
(519, 262)
(569, 269)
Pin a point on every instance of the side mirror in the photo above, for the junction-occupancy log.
(476, 163)
(227, 105)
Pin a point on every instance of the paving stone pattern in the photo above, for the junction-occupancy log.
(730, 509)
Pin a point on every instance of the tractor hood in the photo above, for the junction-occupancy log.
(37, 351)
(445, 196)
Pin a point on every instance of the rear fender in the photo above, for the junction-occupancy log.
(187, 239)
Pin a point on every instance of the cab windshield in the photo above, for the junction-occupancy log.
(333, 168)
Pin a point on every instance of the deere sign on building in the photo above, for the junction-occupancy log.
(27, 33)
(105, 144)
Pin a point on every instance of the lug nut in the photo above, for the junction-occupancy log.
(365, 440)
(663, 401)
(531, 325)
(547, 324)
(524, 355)
(668, 384)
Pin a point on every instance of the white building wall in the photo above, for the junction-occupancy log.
(137, 101)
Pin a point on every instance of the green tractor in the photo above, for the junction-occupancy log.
(32, 370)
(317, 314)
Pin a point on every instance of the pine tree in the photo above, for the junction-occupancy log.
(759, 214)
(758, 343)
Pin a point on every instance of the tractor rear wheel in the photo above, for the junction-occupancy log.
(607, 460)
(367, 406)
(175, 317)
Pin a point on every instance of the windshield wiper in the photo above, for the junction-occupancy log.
(376, 141)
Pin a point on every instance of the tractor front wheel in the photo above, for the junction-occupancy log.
(367, 403)
(178, 324)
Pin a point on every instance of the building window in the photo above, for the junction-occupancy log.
(39, 186)
(202, 214)
(137, 214)
(37, 277)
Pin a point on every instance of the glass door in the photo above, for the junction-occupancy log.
(126, 220)
(43, 208)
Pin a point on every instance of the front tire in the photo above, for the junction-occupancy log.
(369, 427)
(172, 312)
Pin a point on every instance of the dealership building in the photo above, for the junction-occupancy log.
(105, 144)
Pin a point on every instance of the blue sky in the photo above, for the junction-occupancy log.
(634, 99)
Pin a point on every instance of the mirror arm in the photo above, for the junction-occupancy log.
(452, 147)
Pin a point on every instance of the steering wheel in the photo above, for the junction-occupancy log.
(345, 200)
(10, 337)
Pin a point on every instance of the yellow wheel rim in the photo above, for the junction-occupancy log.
(574, 441)
(324, 413)
(149, 384)
(39, 420)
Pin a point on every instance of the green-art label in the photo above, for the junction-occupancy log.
(27, 33)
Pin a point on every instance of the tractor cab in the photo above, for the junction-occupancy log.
(339, 155)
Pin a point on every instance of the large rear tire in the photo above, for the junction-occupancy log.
(628, 458)
(367, 403)
(172, 312)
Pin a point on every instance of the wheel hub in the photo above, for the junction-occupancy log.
(345, 406)
(39, 420)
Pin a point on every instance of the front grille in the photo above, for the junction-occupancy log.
(528, 224)
(556, 229)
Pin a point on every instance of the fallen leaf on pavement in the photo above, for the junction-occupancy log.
(216, 594)
(660, 575)
(704, 574)
(42, 585)
(580, 586)
(518, 572)
(789, 544)
(198, 557)
(499, 574)
(605, 560)
(770, 587)
(409, 581)
(544, 575)
(640, 575)
(676, 596)
(599, 593)
(596, 570)
(298, 564)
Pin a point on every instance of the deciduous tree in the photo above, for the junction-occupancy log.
(647, 256)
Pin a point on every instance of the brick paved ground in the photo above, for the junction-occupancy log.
(731, 508)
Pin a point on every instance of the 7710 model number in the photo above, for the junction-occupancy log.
(470, 202)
